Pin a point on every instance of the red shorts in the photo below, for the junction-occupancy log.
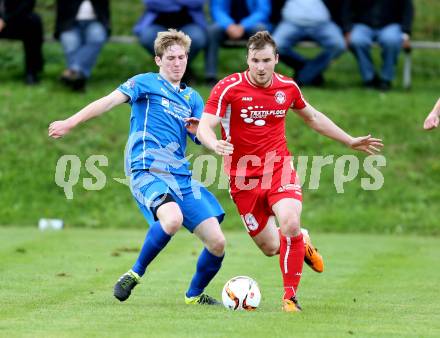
(255, 196)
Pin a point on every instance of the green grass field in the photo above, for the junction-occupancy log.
(406, 203)
(381, 247)
(59, 284)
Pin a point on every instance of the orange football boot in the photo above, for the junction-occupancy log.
(291, 305)
(312, 257)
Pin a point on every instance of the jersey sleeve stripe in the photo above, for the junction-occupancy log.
(295, 84)
(144, 136)
(219, 105)
(226, 121)
(285, 81)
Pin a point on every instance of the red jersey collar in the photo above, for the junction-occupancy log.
(248, 79)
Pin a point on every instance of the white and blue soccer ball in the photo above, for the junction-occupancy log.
(241, 293)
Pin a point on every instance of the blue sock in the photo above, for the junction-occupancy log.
(207, 267)
(155, 241)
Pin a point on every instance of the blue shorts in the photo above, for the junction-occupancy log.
(195, 201)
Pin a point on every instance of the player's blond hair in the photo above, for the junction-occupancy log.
(164, 40)
(260, 40)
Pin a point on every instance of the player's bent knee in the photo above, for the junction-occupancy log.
(217, 245)
(291, 220)
(290, 226)
(172, 223)
(270, 250)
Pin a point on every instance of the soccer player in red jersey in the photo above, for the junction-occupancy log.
(251, 107)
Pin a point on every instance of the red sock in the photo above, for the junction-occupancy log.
(291, 263)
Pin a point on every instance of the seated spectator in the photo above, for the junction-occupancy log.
(308, 20)
(19, 22)
(275, 13)
(185, 15)
(234, 20)
(387, 22)
(83, 28)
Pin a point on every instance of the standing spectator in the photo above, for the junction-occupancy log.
(19, 22)
(185, 15)
(234, 20)
(308, 20)
(83, 28)
(387, 22)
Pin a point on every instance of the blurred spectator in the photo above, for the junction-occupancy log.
(387, 22)
(308, 20)
(83, 28)
(185, 15)
(234, 20)
(19, 22)
(275, 13)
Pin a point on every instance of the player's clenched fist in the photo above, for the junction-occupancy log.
(59, 128)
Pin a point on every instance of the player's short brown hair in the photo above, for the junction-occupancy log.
(166, 39)
(260, 40)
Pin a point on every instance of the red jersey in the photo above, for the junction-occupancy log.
(254, 118)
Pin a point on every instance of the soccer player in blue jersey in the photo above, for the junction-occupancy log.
(164, 112)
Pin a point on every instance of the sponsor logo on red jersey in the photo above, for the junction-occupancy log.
(257, 114)
(280, 97)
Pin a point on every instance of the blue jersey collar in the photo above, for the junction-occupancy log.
(182, 85)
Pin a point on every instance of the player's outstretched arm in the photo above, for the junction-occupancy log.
(60, 128)
(206, 135)
(432, 120)
(323, 125)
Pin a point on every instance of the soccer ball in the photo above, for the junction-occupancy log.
(241, 293)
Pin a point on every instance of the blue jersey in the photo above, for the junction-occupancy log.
(157, 140)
